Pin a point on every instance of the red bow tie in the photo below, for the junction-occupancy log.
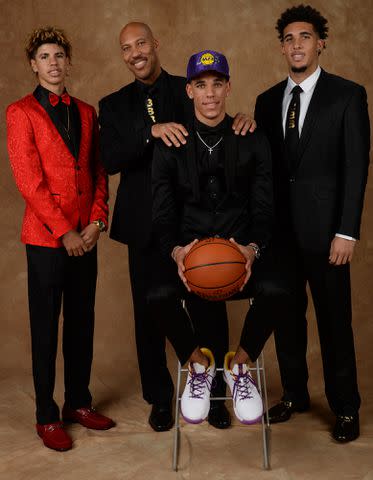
(54, 99)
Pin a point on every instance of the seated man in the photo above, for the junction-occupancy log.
(217, 184)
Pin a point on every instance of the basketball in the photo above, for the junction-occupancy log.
(215, 269)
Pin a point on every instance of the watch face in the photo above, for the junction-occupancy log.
(100, 224)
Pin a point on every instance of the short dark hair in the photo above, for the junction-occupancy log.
(302, 13)
(47, 35)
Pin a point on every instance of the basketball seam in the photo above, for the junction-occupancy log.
(215, 263)
(216, 288)
(222, 242)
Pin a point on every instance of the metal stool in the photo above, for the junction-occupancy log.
(262, 387)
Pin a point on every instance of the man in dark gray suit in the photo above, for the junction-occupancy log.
(318, 127)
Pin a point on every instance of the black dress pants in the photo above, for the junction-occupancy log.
(331, 294)
(54, 279)
(148, 270)
(273, 296)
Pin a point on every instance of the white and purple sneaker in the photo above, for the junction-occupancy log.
(247, 402)
(195, 400)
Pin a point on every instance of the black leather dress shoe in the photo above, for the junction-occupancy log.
(346, 428)
(219, 417)
(283, 410)
(161, 418)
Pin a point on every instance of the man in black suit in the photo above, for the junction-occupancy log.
(318, 127)
(154, 106)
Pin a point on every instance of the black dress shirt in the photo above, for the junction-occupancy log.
(210, 166)
(158, 92)
(66, 119)
(238, 203)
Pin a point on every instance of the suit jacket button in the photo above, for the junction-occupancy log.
(79, 192)
(77, 167)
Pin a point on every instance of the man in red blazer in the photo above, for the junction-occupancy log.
(52, 145)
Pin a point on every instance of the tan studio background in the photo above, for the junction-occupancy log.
(301, 448)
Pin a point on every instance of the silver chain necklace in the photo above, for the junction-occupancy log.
(210, 148)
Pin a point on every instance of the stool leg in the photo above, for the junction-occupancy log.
(262, 385)
(177, 421)
(265, 389)
(267, 465)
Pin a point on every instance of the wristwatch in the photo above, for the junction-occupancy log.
(99, 224)
(256, 249)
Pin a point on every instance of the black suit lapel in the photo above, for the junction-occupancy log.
(180, 108)
(137, 107)
(274, 109)
(168, 111)
(230, 158)
(44, 102)
(277, 116)
(319, 98)
(190, 162)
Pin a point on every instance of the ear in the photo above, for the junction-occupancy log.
(156, 44)
(320, 46)
(282, 48)
(189, 91)
(33, 66)
(228, 88)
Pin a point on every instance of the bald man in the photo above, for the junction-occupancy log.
(154, 106)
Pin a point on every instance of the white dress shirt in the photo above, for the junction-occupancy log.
(308, 87)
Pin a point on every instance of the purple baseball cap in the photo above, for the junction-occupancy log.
(206, 61)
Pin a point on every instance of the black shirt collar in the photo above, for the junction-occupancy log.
(219, 129)
(43, 92)
(145, 89)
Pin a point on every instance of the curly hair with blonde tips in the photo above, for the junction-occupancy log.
(47, 35)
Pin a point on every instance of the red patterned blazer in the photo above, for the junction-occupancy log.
(62, 192)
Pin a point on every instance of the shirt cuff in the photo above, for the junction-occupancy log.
(346, 237)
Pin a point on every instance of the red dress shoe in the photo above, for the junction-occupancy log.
(54, 436)
(88, 417)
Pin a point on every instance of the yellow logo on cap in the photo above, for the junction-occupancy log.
(207, 59)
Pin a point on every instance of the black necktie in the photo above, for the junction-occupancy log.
(291, 129)
(150, 102)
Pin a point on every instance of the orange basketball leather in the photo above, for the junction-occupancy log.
(215, 269)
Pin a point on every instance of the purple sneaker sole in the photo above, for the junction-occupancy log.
(250, 422)
(189, 420)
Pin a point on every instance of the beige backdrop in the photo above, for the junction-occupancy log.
(244, 31)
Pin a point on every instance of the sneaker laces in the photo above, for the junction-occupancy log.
(198, 382)
(243, 383)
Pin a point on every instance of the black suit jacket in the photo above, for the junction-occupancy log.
(324, 194)
(245, 210)
(127, 148)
